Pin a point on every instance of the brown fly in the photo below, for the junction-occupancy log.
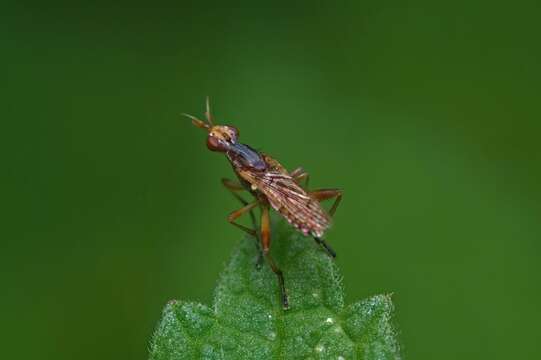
(272, 186)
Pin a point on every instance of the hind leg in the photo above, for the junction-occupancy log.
(325, 194)
(321, 195)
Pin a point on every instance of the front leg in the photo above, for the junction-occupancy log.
(236, 214)
(234, 187)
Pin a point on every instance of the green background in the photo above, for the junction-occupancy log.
(426, 113)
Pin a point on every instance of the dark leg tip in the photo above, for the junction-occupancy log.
(285, 301)
(326, 246)
(259, 262)
(331, 252)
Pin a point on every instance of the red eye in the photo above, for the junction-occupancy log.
(213, 144)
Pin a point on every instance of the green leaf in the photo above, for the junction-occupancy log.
(247, 320)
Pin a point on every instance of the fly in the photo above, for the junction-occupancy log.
(272, 187)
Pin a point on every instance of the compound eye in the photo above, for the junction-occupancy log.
(213, 144)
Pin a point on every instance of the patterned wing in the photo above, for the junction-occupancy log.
(290, 200)
(286, 196)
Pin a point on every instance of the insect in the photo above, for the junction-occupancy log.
(272, 186)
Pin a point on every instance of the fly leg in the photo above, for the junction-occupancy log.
(324, 194)
(299, 175)
(237, 213)
(265, 241)
(234, 187)
(326, 246)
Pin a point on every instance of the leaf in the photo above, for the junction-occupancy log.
(247, 320)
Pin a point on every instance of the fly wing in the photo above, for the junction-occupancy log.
(290, 200)
(282, 192)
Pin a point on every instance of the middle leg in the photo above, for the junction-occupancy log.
(299, 175)
(265, 241)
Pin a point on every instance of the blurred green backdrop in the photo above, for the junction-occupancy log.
(427, 115)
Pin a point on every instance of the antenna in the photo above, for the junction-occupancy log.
(199, 123)
(208, 114)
